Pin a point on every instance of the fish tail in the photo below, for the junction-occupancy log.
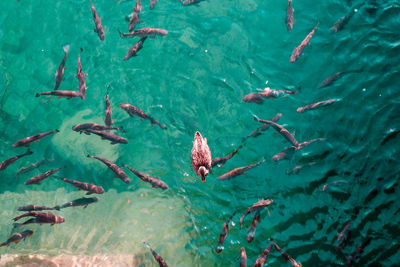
(121, 34)
(81, 49)
(3, 244)
(28, 152)
(57, 208)
(66, 48)
(255, 117)
(37, 95)
(56, 130)
(15, 225)
(89, 156)
(147, 245)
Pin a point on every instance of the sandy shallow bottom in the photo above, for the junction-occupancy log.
(9, 260)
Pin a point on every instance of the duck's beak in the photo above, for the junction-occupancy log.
(203, 179)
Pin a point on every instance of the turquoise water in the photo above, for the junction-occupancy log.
(193, 79)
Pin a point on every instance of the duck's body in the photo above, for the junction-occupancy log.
(201, 156)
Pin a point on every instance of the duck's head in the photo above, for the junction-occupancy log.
(203, 173)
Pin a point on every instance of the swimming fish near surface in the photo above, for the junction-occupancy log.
(352, 258)
(62, 93)
(153, 3)
(222, 160)
(31, 167)
(239, 171)
(119, 173)
(289, 16)
(135, 48)
(263, 257)
(243, 257)
(80, 75)
(224, 233)
(90, 188)
(9, 161)
(155, 182)
(108, 113)
(144, 32)
(264, 127)
(34, 208)
(34, 138)
(97, 22)
(157, 257)
(200, 156)
(299, 49)
(287, 257)
(115, 139)
(317, 105)
(134, 17)
(40, 177)
(58, 77)
(252, 230)
(331, 79)
(84, 201)
(256, 206)
(83, 128)
(40, 218)
(135, 111)
(17, 237)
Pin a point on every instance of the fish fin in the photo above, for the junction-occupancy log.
(85, 206)
(89, 193)
(113, 143)
(15, 225)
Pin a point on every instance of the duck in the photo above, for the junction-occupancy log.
(201, 156)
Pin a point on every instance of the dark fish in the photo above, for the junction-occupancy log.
(252, 230)
(144, 32)
(317, 105)
(135, 111)
(60, 71)
(253, 98)
(200, 156)
(153, 3)
(328, 81)
(11, 160)
(40, 177)
(281, 130)
(239, 171)
(97, 22)
(40, 218)
(323, 188)
(34, 208)
(224, 234)
(30, 167)
(119, 173)
(339, 25)
(93, 126)
(287, 153)
(243, 257)
(81, 77)
(344, 236)
(108, 114)
(190, 2)
(155, 182)
(287, 257)
(263, 127)
(392, 134)
(135, 48)
(115, 139)
(260, 204)
(298, 50)
(17, 237)
(297, 169)
(78, 202)
(34, 138)
(222, 160)
(306, 143)
(62, 93)
(90, 188)
(133, 21)
(158, 258)
(351, 259)
(263, 257)
(289, 16)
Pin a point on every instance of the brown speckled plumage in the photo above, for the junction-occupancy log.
(201, 156)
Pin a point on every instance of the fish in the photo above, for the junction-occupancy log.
(97, 22)
(390, 135)
(265, 93)
(119, 173)
(90, 188)
(83, 128)
(253, 98)
(263, 257)
(115, 139)
(58, 77)
(135, 111)
(200, 156)
(252, 230)
(34, 138)
(144, 32)
(34, 208)
(306, 143)
(135, 48)
(281, 130)
(40, 177)
(40, 218)
(317, 105)
(190, 2)
(264, 127)
(297, 169)
(299, 49)
(287, 257)
(9, 161)
(224, 234)
(343, 21)
(287, 153)
(238, 171)
(243, 257)
(323, 188)
(289, 16)
(256, 206)
(134, 20)
(222, 160)
(155, 182)
(78, 202)
(17, 237)
(351, 259)
(344, 236)
(108, 113)
(62, 93)
(328, 81)
(138, 6)
(153, 3)
(31, 167)
(81, 76)
(158, 258)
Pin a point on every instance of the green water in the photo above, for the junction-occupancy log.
(193, 79)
